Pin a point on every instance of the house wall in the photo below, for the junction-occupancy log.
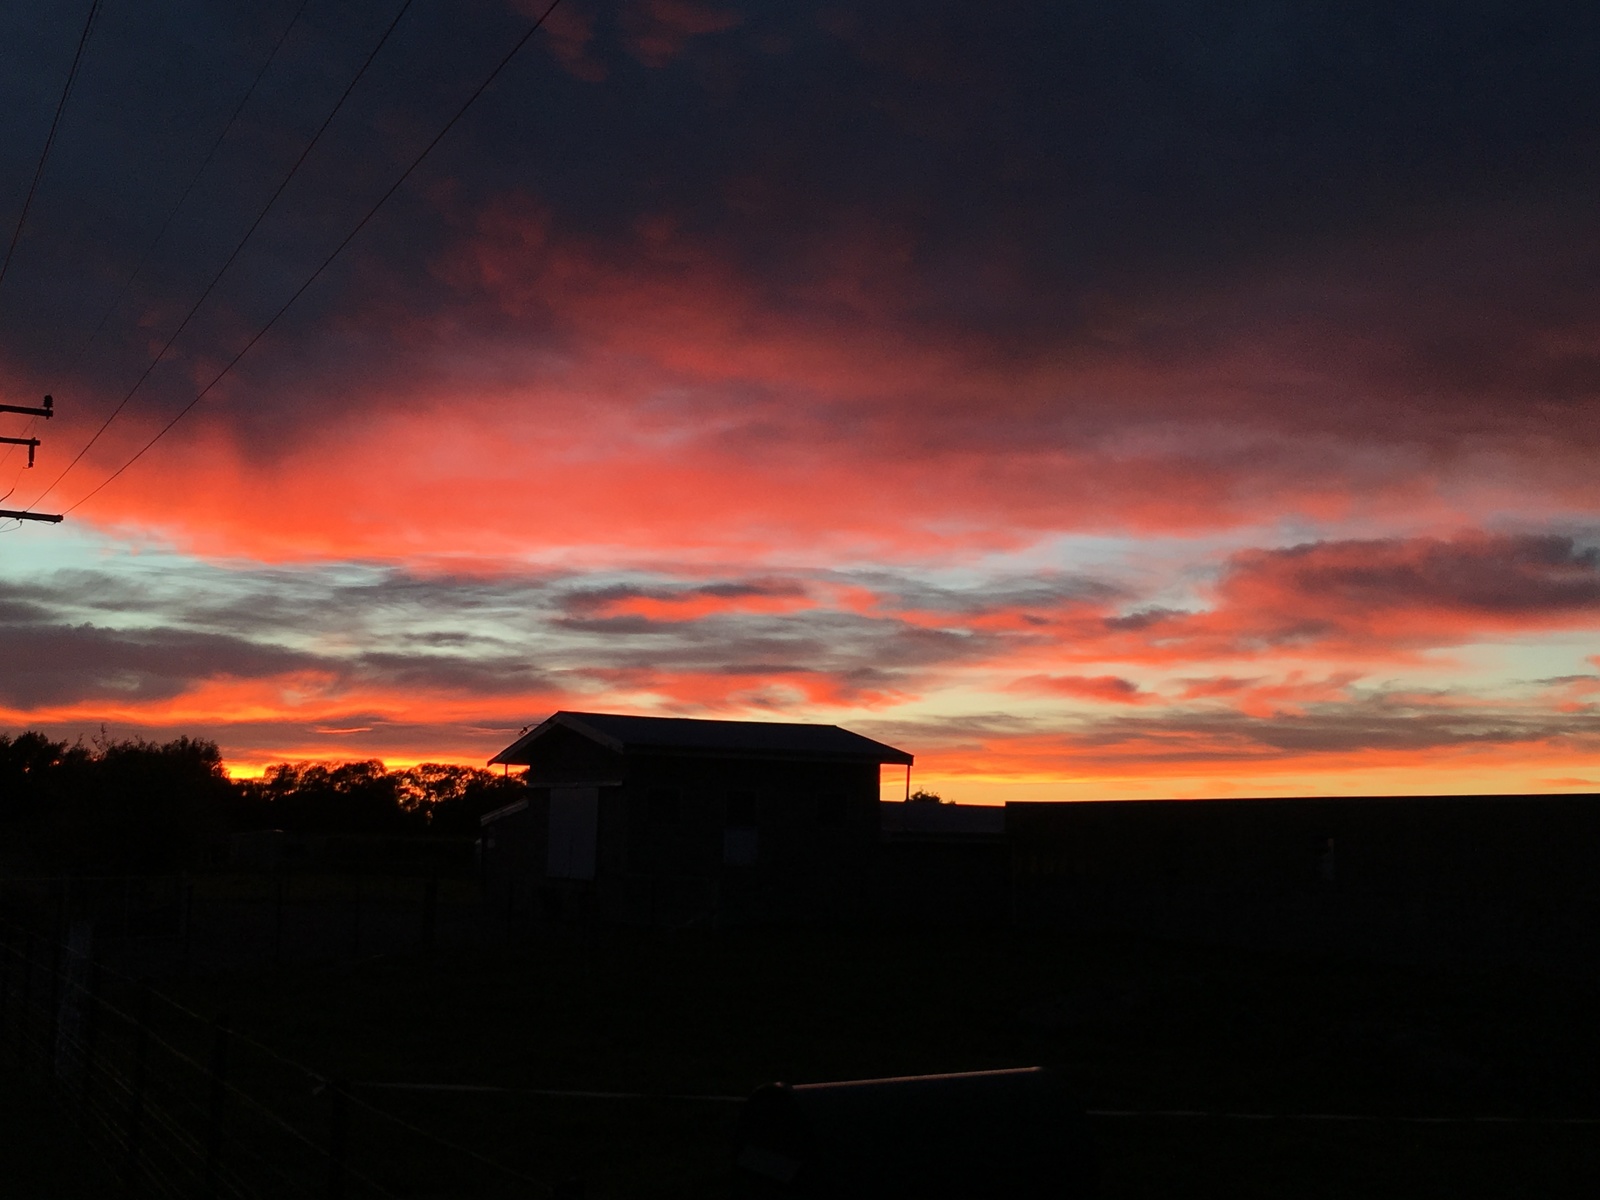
(1457, 880)
(685, 840)
(942, 864)
(737, 840)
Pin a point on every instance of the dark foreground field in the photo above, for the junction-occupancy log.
(1139, 1027)
(42, 1153)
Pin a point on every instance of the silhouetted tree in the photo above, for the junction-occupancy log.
(352, 797)
(135, 806)
(29, 766)
(454, 797)
(116, 806)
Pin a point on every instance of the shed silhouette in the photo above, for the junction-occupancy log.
(667, 820)
(1446, 881)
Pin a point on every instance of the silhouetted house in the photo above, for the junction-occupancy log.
(943, 864)
(662, 820)
(1447, 880)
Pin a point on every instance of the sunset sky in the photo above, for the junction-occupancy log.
(1094, 400)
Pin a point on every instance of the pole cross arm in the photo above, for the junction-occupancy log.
(48, 411)
(31, 443)
(18, 514)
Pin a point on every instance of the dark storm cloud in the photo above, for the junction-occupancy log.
(1362, 598)
(377, 629)
(245, 629)
(1020, 160)
(55, 664)
(1044, 591)
(1379, 723)
(266, 602)
(748, 643)
(1095, 135)
(1481, 576)
(584, 600)
(490, 675)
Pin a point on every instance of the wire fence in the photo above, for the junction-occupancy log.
(185, 1106)
(160, 926)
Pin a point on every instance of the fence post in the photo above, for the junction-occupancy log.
(277, 921)
(5, 978)
(26, 1000)
(56, 966)
(63, 907)
(136, 1089)
(186, 909)
(430, 913)
(219, 1079)
(355, 922)
(91, 1035)
(338, 1137)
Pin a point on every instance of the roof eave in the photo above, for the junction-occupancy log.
(893, 756)
(517, 754)
(513, 755)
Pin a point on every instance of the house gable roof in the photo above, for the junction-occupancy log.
(720, 739)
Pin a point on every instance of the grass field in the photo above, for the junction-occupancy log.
(1135, 1025)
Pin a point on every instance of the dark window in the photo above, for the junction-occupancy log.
(741, 809)
(830, 811)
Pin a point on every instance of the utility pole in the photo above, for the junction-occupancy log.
(47, 410)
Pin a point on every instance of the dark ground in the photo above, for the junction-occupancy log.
(1135, 1025)
(42, 1154)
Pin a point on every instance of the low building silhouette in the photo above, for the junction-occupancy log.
(942, 864)
(1454, 881)
(671, 821)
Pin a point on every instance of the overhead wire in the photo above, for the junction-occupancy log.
(50, 138)
(232, 257)
(33, 188)
(194, 179)
(161, 233)
(460, 112)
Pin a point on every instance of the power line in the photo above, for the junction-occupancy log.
(237, 250)
(327, 262)
(189, 188)
(27, 203)
(166, 223)
(55, 122)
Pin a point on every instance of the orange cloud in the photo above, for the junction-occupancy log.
(653, 399)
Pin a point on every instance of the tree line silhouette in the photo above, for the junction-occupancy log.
(138, 806)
